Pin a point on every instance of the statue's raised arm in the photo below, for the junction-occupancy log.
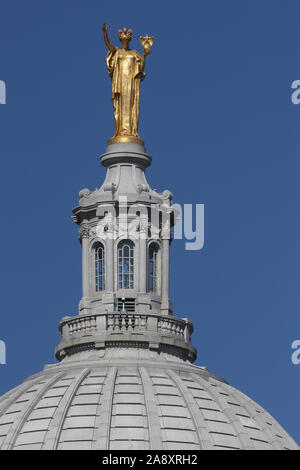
(110, 46)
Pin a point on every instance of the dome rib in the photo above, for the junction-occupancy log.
(16, 427)
(242, 436)
(201, 430)
(13, 395)
(58, 420)
(103, 422)
(252, 410)
(152, 411)
(279, 429)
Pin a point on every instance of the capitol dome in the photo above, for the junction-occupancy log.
(125, 378)
(133, 404)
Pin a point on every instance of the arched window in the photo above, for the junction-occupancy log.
(99, 267)
(126, 264)
(153, 267)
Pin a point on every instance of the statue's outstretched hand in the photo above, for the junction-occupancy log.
(104, 28)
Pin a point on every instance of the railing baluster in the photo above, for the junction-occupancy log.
(129, 321)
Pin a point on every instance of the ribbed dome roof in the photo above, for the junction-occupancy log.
(133, 404)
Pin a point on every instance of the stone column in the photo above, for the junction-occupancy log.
(109, 265)
(165, 268)
(143, 255)
(108, 302)
(143, 297)
(84, 235)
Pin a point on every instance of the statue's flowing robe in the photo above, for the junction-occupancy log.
(123, 66)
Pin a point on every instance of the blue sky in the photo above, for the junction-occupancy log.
(217, 118)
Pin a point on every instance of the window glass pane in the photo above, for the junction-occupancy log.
(99, 267)
(153, 250)
(126, 251)
(126, 264)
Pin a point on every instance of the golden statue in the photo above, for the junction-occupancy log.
(126, 69)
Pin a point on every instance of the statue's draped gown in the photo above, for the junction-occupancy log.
(123, 66)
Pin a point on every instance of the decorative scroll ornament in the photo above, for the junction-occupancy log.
(166, 229)
(142, 188)
(106, 227)
(167, 197)
(143, 225)
(84, 193)
(109, 187)
(84, 231)
(110, 225)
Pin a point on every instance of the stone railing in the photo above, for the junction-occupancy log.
(83, 325)
(174, 326)
(97, 330)
(126, 322)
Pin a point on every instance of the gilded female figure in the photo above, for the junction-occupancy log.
(126, 69)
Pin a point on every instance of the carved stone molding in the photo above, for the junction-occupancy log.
(84, 232)
(84, 193)
(166, 230)
(143, 225)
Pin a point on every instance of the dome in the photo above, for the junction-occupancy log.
(133, 404)
(125, 378)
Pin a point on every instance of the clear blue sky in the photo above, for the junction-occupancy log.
(219, 123)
